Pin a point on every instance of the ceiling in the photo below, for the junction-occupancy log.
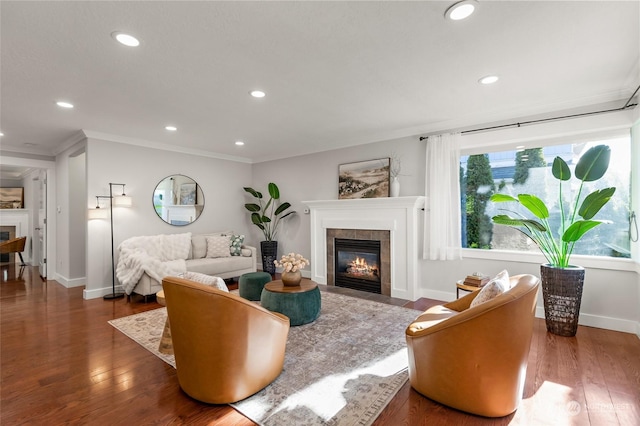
(336, 74)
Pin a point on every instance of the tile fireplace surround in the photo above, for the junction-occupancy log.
(401, 216)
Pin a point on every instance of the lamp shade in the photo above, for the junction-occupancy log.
(98, 213)
(122, 201)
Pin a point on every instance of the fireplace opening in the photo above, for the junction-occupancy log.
(357, 264)
(5, 257)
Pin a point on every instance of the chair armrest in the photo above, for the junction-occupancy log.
(463, 303)
(254, 256)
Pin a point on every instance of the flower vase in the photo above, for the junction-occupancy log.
(291, 279)
(395, 187)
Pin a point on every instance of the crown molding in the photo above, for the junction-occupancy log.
(162, 146)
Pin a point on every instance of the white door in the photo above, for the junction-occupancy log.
(41, 227)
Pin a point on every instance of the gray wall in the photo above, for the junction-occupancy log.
(141, 169)
(611, 293)
(315, 177)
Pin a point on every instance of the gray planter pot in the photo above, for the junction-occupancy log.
(562, 294)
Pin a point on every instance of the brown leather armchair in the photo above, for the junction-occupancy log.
(226, 348)
(475, 359)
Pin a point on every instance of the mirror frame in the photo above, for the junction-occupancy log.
(178, 200)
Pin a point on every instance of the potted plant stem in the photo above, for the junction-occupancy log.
(267, 217)
(562, 282)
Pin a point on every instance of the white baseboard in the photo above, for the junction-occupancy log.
(437, 295)
(71, 282)
(597, 321)
(99, 292)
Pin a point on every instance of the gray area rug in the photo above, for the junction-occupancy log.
(342, 369)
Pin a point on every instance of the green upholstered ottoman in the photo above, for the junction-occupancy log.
(250, 285)
(300, 303)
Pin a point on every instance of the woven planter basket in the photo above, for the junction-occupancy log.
(269, 251)
(562, 294)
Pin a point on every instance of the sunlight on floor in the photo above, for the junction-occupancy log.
(326, 397)
(556, 404)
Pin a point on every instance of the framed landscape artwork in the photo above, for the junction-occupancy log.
(364, 179)
(188, 194)
(11, 198)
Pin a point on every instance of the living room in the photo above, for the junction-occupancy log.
(81, 166)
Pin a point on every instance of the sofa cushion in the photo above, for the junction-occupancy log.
(218, 246)
(236, 244)
(219, 266)
(199, 244)
(498, 285)
(215, 282)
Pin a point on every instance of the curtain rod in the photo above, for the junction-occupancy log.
(627, 105)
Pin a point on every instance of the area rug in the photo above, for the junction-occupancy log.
(342, 369)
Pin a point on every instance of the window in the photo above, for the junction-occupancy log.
(529, 171)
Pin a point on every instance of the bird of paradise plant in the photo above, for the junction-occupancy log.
(575, 222)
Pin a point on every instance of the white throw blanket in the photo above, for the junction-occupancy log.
(157, 255)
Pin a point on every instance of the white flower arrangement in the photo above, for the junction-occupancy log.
(291, 262)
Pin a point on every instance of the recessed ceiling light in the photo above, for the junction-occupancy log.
(1, 134)
(171, 128)
(461, 10)
(126, 39)
(239, 143)
(257, 93)
(64, 104)
(488, 79)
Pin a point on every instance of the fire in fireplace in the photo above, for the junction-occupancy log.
(357, 264)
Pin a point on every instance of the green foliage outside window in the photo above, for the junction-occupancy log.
(525, 160)
(479, 188)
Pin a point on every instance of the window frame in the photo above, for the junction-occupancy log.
(548, 135)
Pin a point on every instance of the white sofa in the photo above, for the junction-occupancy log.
(223, 267)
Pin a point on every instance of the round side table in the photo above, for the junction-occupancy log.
(300, 303)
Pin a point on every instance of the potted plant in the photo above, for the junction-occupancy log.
(267, 217)
(562, 282)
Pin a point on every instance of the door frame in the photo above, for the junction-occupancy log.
(50, 169)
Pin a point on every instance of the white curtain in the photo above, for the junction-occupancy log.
(442, 209)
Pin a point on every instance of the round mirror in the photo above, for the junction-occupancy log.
(178, 200)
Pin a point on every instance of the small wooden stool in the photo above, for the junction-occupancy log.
(166, 344)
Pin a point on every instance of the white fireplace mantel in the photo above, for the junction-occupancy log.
(402, 216)
(18, 218)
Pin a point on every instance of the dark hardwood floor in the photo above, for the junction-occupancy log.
(62, 363)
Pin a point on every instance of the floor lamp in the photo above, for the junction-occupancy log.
(121, 201)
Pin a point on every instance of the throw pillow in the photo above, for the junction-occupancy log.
(218, 246)
(209, 280)
(236, 244)
(495, 287)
